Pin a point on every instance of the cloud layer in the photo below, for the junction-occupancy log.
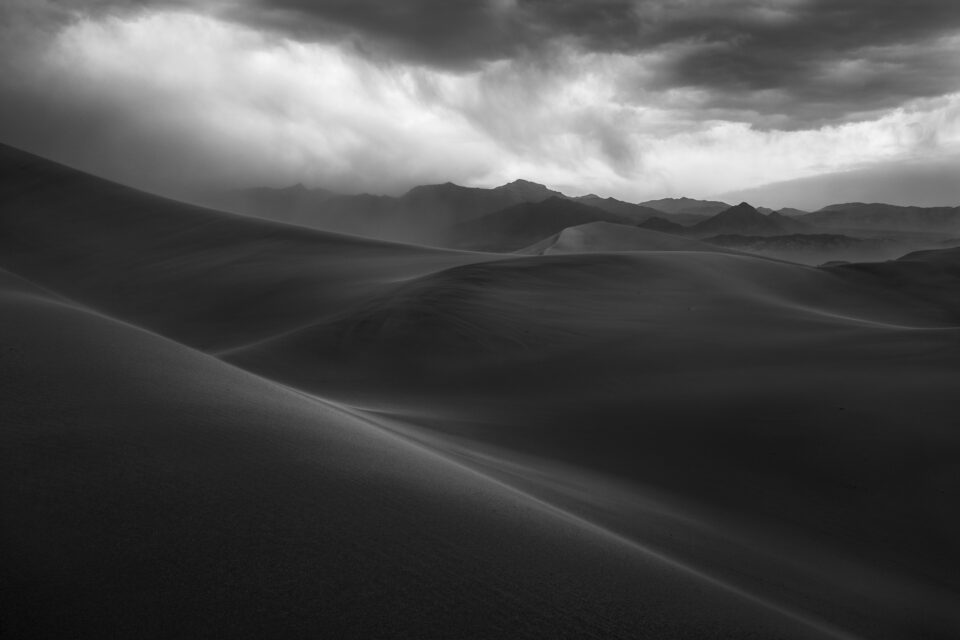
(785, 62)
(633, 99)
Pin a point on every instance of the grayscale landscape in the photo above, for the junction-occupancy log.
(500, 319)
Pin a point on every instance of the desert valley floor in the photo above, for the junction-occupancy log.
(215, 425)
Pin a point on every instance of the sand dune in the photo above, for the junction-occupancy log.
(598, 237)
(668, 443)
(187, 498)
(510, 309)
(931, 277)
(207, 278)
(760, 396)
(524, 224)
(815, 248)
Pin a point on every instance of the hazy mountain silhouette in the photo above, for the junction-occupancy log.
(791, 212)
(665, 226)
(290, 204)
(878, 216)
(634, 212)
(687, 206)
(526, 191)
(790, 224)
(742, 219)
(424, 214)
(452, 204)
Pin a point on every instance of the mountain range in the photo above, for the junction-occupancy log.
(859, 215)
(450, 215)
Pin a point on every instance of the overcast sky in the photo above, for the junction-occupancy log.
(631, 98)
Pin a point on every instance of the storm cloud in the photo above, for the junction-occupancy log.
(633, 99)
(785, 62)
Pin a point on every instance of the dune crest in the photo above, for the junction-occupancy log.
(237, 426)
(597, 237)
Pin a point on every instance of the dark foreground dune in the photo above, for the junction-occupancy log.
(152, 491)
(232, 427)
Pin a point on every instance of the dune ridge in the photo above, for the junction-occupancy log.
(289, 513)
(581, 416)
(607, 237)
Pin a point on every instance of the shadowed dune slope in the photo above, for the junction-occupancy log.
(512, 309)
(791, 431)
(930, 276)
(207, 278)
(150, 491)
(781, 402)
(597, 237)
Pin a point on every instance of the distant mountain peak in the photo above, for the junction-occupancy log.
(526, 191)
(686, 205)
(425, 189)
(527, 188)
(520, 182)
(742, 219)
(742, 211)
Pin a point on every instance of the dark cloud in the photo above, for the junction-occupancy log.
(376, 109)
(775, 63)
(437, 32)
(831, 60)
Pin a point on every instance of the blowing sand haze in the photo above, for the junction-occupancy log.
(512, 357)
